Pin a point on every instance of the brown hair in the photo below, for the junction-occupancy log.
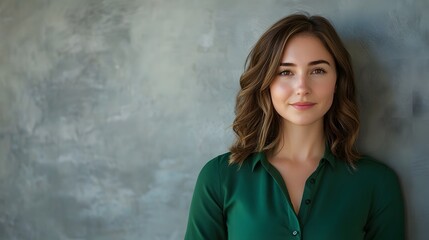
(257, 124)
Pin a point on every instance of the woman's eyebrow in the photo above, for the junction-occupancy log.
(286, 64)
(319, 62)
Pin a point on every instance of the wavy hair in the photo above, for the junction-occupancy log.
(257, 125)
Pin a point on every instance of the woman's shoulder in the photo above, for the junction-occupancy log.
(369, 163)
(220, 167)
(215, 170)
(372, 168)
(219, 163)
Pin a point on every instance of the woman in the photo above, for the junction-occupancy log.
(293, 171)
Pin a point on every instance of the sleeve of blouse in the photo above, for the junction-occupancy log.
(206, 220)
(387, 218)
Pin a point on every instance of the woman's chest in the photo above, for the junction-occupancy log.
(261, 210)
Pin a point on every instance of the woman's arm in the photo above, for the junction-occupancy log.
(206, 219)
(386, 220)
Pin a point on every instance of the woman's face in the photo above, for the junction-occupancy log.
(303, 90)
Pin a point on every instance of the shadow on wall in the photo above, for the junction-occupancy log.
(386, 106)
(385, 102)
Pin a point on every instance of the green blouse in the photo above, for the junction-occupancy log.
(252, 202)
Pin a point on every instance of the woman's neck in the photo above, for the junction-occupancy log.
(301, 143)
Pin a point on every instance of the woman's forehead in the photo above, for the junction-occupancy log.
(305, 48)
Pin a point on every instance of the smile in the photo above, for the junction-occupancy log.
(303, 105)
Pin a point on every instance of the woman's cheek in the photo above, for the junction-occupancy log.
(281, 89)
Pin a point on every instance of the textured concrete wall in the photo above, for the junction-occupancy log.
(109, 108)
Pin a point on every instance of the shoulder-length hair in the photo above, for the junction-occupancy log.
(257, 124)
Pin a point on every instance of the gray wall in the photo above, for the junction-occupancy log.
(109, 108)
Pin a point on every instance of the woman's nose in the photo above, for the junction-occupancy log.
(302, 85)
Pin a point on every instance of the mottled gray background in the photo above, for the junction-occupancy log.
(109, 108)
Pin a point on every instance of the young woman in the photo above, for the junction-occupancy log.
(293, 171)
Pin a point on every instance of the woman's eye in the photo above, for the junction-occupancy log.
(319, 71)
(285, 73)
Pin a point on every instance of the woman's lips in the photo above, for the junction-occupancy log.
(303, 105)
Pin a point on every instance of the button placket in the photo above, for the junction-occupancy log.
(292, 220)
(308, 196)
